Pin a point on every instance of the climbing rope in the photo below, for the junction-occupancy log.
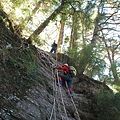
(56, 100)
(59, 108)
(56, 97)
(61, 92)
(62, 98)
(78, 117)
(53, 108)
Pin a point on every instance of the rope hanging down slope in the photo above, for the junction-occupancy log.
(56, 101)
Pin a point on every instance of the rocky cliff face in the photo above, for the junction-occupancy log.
(28, 89)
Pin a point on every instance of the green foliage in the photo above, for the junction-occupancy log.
(107, 106)
(39, 41)
(22, 64)
(97, 65)
(29, 62)
(0, 5)
(22, 82)
(17, 3)
(117, 87)
(80, 57)
(89, 60)
(24, 60)
(1, 18)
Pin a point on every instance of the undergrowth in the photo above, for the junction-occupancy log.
(20, 69)
(107, 106)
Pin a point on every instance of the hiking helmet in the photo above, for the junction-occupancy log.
(66, 64)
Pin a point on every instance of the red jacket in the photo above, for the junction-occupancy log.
(65, 68)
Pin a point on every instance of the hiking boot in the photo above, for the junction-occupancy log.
(71, 94)
(59, 84)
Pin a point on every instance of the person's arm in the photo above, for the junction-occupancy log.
(65, 68)
(60, 67)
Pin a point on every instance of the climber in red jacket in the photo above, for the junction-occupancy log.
(65, 76)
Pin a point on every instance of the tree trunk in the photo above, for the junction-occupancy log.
(95, 33)
(74, 31)
(44, 24)
(60, 36)
(114, 72)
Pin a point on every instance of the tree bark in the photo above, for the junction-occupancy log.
(60, 35)
(44, 24)
(74, 31)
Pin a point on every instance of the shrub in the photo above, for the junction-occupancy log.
(107, 106)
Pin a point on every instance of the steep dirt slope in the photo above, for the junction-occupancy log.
(27, 84)
(33, 97)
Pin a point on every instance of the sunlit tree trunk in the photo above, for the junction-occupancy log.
(95, 32)
(74, 31)
(60, 39)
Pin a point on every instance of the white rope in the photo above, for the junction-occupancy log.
(75, 108)
(53, 108)
(59, 109)
(62, 98)
(73, 104)
(61, 93)
(57, 99)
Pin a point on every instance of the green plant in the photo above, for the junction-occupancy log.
(81, 57)
(107, 106)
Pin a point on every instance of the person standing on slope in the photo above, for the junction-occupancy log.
(54, 47)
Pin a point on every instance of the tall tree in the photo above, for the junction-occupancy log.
(74, 30)
(61, 33)
(45, 23)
